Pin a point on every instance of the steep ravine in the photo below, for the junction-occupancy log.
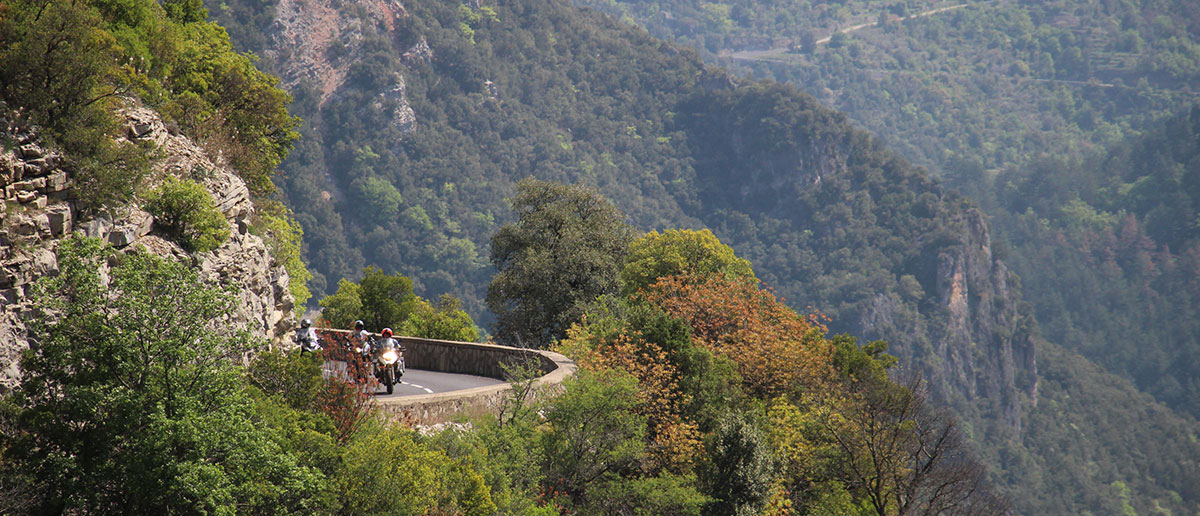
(964, 332)
(828, 217)
(887, 252)
(40, 210)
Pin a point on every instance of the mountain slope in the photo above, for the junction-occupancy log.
(828, 217)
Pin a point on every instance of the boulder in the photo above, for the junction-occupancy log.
(30, 152)
(60, 217)
(56, 182)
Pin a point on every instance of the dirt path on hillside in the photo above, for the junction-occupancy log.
(771, 54)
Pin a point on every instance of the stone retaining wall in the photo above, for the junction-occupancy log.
(466, 358)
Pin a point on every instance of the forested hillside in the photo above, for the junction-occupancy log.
(1109, 246)
(1006, 102)
(961, 87)
(145, 390)
(421, 117)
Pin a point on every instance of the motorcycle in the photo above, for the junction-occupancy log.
(389, 363)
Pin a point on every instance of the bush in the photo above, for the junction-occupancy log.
(389, 472)
(284, 236)
(188, 215)
(445, 321)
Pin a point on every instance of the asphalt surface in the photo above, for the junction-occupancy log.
(417, 381)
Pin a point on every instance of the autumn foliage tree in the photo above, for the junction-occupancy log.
(675, 439)
(776, 349)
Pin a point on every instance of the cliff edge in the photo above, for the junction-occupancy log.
(40, 209)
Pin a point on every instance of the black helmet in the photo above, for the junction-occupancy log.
(306, 323)
(358, 325)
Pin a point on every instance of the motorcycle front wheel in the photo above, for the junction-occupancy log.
(389, 379)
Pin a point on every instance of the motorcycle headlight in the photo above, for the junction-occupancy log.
(390, 357)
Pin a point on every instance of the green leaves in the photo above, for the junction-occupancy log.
(445, 321)
(679, 251)
(188, 214)
(130, 402)
(564, 251)
(387, 301)
(284, 234)
(388, 472)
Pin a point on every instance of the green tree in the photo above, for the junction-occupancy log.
(220, 98)
(594, 450)
(188, 214)
(58, 67)
(564, 251)
(284, 235)
(678, 251)
(379, 300)
(381, 200)
(130, 403)
(387, 299)
(446, 321)
(740, 468)
(343, 307)
(388, 472)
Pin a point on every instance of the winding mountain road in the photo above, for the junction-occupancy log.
(416, 382)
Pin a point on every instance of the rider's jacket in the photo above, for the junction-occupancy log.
(386, 342)
(362, 339)
(307, 339)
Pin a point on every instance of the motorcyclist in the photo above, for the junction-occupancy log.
(387, 339)
(306, 337)
(389, 359)
(361, 339)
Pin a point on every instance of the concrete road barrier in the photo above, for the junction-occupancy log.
(488, 360)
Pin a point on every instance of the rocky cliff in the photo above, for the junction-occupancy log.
(983, 352)
(317, 41)
(840, 224)
(39, 210)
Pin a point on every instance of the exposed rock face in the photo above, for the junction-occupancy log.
(896, 258)
(986, 351)
(40, 212)
(316, 41)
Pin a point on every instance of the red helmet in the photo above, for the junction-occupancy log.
(387, 332)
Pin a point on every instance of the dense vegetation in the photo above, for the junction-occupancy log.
(1109, 247)
(977, 86)
(132, 403)
(68, 67)
(1049, 86)
(827, 216)
(387, 301)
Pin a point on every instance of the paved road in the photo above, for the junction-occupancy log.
(417, 381)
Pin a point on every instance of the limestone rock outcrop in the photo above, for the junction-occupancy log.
(984, 351)
(316, 41)
(39, 210)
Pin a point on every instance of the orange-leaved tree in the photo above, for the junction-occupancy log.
(347, 397)
(776, 349)
(674, 439)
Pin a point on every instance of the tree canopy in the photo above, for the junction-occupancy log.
(565, 250)
(679, 251)
(130, 403)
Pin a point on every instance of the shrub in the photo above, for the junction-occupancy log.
(284, 236)
(188, 215)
